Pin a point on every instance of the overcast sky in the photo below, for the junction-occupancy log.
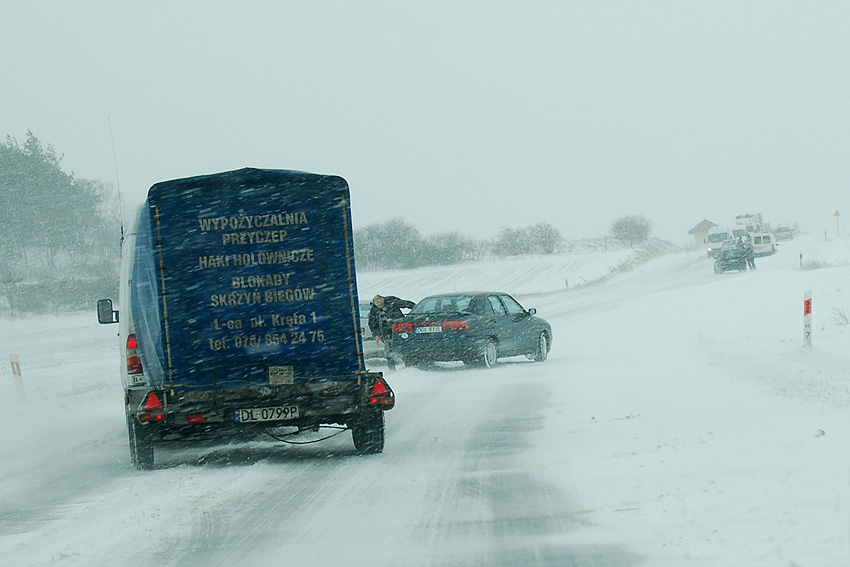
(468, 116)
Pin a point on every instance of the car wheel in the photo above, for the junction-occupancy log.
(488, 355)
(542, 348)
(368, 433)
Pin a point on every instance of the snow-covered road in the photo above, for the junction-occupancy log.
(678, 421)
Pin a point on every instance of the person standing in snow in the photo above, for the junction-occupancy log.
(386, 310)
(750, 255)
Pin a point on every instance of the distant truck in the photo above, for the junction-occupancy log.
(239, 313)
(751, 222)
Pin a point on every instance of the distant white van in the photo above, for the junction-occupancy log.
(764, 244)
(714, 239)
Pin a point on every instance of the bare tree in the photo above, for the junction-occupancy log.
(392, 244)
(633, 229)
(513, 242)
(546, 237)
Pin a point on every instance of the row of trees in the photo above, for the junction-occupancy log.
(59, 233)
(397, 244)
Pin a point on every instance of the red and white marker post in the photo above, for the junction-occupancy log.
(807, 318)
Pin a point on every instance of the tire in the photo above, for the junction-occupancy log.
(368, 433)
(141, 447)
(542, 351)
(488, 354)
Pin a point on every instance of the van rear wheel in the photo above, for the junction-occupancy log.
(141, 447)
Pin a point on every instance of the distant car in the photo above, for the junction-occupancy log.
(730, 258)
(784, 233)
(475, 327)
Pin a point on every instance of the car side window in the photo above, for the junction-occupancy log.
(479, 306)
(497, 305)
(511, 304)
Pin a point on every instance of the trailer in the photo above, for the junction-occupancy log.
(238, 313)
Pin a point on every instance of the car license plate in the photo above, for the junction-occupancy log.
(277, 413)
(430, 329)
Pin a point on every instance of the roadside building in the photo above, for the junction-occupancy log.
(700, 231)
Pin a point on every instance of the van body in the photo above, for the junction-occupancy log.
(763, 243)
(239, 313)
(714, 239)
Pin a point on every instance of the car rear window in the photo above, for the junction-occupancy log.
(443, 303)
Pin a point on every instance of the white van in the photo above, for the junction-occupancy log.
(714, 239)
(764, 244)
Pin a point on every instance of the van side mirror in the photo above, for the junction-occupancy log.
(532, 311)
(105, 313)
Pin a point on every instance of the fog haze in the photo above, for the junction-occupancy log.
(456, 116)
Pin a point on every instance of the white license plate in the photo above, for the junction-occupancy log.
(277, 413)
(430, 329)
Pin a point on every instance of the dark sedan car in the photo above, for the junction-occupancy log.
(476, 328)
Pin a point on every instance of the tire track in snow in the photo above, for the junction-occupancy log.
(485, 505)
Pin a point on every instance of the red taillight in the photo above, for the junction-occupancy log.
(134, 365)
(196, 418)
(134, 361)
(455, 326)
(382, 395)
(152, 416)
(402, 327)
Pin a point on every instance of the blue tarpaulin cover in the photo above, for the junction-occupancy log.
(246, 278)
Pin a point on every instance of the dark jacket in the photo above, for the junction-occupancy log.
(381, 319)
